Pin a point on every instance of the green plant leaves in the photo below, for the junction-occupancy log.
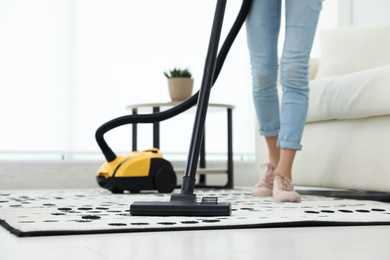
(178, 73)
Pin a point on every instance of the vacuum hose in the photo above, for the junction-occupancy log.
(183, 106)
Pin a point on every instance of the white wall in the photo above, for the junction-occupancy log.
(34, 74)
(370, 13)
(363, 13)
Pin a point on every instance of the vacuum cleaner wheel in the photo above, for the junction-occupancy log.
(165, 179)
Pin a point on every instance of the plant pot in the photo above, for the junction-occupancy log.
(180, 88)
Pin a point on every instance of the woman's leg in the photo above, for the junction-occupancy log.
(286, 162)
(263, 24)
(301, 22)
(285, 131)
(273, 150)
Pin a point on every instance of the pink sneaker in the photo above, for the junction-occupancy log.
(283, 190)
(266, 183)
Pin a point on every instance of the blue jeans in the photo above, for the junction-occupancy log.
(263, 23)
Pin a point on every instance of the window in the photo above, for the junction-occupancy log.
(68, 66)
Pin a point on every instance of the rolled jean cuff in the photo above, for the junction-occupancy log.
(269, 133)
(288, 145)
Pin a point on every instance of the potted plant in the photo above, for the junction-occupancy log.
(180, 84)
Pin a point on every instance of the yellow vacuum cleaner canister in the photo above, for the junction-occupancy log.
(137, 171)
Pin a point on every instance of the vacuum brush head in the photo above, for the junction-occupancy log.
(181, 205)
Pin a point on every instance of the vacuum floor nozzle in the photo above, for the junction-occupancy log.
(209, 206)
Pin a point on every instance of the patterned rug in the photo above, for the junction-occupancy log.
(61, 212)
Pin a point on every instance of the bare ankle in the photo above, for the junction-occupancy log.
(284, 173)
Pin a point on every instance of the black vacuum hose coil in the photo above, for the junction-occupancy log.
(183, 106)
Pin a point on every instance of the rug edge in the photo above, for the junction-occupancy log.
(11, 229)
(295, 224)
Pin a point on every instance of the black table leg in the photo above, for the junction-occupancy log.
(134, 132)
(156, 130)
(230, 148)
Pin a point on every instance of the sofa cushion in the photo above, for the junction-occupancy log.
(353, 49)
(356, 95)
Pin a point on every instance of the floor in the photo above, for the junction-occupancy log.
(364, 242)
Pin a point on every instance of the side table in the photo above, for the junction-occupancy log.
(202, 170)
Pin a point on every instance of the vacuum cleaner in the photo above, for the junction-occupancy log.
(136, 171)
(186, 203)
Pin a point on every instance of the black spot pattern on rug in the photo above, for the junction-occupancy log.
(65, 209)
(102, 208)
(48, 205)
(312, 212)
(189, 222)
(58, 214)
(362, 211)
(345, 211)
(92, 217)
(117, 224)
(210, 220)
(327, 211)
(249, 209)
(166, 223)
(379, 210)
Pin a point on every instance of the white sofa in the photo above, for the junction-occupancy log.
(346, 142)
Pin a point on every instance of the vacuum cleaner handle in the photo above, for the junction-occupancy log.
(137, 119)
(183, 106)
(188, 183)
